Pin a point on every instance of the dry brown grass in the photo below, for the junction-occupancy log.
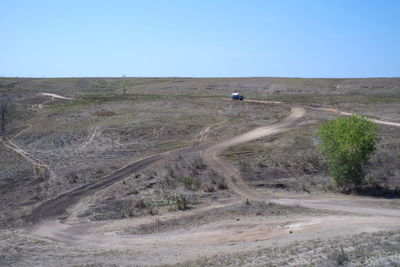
(378, 249)
(104, 113)
(292, 161)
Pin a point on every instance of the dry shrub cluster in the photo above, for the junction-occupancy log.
(104, 113)
(297, 170)
(177, 184)
(193, 174)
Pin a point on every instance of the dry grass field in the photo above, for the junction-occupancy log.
(179, 209)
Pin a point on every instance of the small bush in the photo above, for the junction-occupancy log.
(347, 144)
(72, 177)
(178, 200)
(260, 162)
(150, 205)
(171, 172)
(397, 190)
(188, 182)
(181, 202)
(222, 185)
(196, 162)
(141, 204)
(208, 188)
(390, 173)
(339, 257)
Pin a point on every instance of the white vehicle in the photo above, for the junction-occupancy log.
(237, 96)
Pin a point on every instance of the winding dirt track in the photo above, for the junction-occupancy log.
(231, 174)
(57, 206)
(216, 237)
(210, 154)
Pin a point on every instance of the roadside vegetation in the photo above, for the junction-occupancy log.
(292, 161)
(177, 184)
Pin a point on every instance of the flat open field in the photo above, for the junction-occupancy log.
(170, 171)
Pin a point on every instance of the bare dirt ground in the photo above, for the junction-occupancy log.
(230, 221)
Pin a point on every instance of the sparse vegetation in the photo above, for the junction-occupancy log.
(188, 182)
(338, 257)
(178, 200)
(5, 110)
(104, 113)
(329, 99)
(172, 201)
(287, 161)
(377, 249)
(113, 122)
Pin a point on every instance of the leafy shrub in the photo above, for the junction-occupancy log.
(188, 182)
(148, 204)
(347, 144)
(178, 200)
(181, 202)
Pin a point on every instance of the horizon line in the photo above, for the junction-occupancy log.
(191, 77)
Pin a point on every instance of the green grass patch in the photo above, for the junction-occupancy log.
(37, 241)
(169, 145)
(188, 181)
(72, 104)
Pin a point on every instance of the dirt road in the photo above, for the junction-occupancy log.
(231, 174)
(56, 96)
(390, 123)
(361, 214)
(57, 206)
(215, 238)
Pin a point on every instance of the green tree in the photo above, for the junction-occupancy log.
(347, 144)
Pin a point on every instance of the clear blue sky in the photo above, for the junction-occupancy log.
(203, 38)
